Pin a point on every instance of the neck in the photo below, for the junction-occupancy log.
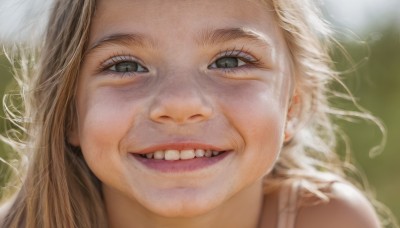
(241, 211)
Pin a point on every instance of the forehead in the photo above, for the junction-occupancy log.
(173, 19)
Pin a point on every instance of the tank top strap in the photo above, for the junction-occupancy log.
(288, 204)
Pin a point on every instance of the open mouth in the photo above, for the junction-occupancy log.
(176, 160)
(187, 154)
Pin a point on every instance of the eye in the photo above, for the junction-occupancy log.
(231, 59)
(128, 67)
(228, 62)
(123, 65)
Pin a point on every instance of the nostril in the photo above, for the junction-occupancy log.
(164, 117)
(182, 119)
(196, 117)
(158, 117)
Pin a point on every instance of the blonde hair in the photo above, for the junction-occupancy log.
(59, 190)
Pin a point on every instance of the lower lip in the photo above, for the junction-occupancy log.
(181, 165)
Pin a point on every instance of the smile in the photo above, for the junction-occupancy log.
(180, 157)
(173, 155)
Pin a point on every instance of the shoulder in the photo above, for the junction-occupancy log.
(347, 207)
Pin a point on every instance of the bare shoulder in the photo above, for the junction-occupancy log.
(347, 207)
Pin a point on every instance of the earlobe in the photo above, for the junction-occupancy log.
(293, 116)
(289, 131)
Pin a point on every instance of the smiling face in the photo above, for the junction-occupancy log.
(166, 84)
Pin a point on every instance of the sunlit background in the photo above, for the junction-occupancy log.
(370, 32)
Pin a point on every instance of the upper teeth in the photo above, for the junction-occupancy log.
(172, 155)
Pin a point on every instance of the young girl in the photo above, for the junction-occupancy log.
(151, 113)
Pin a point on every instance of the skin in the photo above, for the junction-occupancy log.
(181, 96)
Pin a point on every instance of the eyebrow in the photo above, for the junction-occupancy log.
(125, 39)
(217, 36)
(206, 37)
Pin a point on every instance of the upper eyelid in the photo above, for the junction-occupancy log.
(238, 53)
(105, 65)
(119, 58)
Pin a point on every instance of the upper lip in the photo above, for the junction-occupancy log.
(179, 146)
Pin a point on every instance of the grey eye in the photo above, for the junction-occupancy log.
(227, 62)
(128, 67)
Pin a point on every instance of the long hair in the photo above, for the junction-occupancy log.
(59, 190)
(312, 154)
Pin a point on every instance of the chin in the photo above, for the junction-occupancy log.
(182, 210)
(185, 211)
(182, 205)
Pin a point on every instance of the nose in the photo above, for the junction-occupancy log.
(180, 102)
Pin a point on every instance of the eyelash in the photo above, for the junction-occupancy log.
(116, 59)
(243, 55)
(249, 62)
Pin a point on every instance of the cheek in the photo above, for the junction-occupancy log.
(258, 115)
(257, 110)
(265, 137)
(104, 120)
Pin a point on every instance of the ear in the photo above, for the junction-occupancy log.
(293, 117)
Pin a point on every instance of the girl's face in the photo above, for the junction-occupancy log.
(167, 80)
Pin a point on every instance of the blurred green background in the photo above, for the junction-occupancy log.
(373, 78)
(375, 83)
